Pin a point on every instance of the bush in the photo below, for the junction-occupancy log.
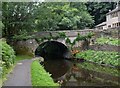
(100, 57)
(108, 40)
(23, 37)
(84, 37)
(62, 34)
(8, 54)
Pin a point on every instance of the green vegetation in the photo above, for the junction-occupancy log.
(22, 57)
(7, 58)
(4, 71)
(32, 17)
(84, 37)
(62, 35)
(8, 54)
(1, 26)
(95, 67)
(24, 36)
(100, 57)
(40, 77)
(79, 38)
(99, 9)
(108, 40)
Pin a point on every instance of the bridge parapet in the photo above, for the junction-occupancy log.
(69, 33)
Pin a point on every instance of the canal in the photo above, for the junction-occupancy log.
(74, 73)
(70, 73)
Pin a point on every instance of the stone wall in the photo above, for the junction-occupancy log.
(29, 46)
(73, 33)
(69, 33)
(26, 47)
(105, 47)
(113, 32)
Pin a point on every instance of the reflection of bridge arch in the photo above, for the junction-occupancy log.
(53, 50)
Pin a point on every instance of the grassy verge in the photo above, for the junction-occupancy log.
(107, 40)
(97, 68)
(100, 57)
(40, 77)
(6, 71)
(22, 57)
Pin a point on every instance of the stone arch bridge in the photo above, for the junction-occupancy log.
(29, 46)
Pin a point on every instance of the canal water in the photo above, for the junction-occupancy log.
(69, 73)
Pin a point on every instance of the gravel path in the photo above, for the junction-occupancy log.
(21, 75)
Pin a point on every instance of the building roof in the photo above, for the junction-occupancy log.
(102, 24)
(114, 10)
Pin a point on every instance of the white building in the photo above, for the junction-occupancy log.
(112, 19)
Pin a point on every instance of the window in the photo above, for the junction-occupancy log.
(116, 24)
(119, 24)
(109, 26)
(113, 25)
(115, 14)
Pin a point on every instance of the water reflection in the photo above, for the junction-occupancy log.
(57, 67)
(73, 74)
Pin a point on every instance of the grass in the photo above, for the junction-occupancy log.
(22, 57)
(100, 57)
(40, 77)
(95, 67)
(6, 71)
(108, 40)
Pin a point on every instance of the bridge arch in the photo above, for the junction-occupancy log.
(53, 50)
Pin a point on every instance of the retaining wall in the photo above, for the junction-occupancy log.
(105, 47)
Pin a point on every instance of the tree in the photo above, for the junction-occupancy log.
(18, 17)
(1, 27)
(24, 17)
(99, 9)
(63, 16)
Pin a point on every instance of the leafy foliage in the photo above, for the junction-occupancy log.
(108, 40)
(4, 71)
(68, 40)
(8, 54)
(101, 57)
(79, 38)
(84, 37)
(23, 17)
(1, 25)
(23, 37)
(62, 34)
(18, 17)
(99, 9)
(40, 77)
(63, 16)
